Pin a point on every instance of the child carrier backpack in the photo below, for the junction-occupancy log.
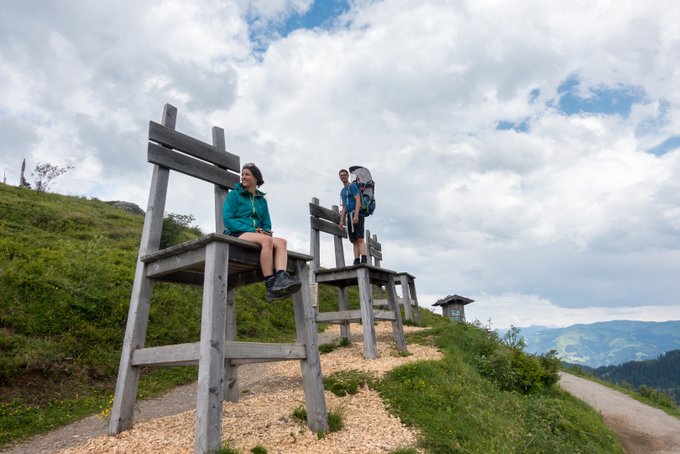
(367, 188)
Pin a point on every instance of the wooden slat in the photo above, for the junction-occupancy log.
(186, 259)
(375, 253)
(324, 213)
(187, 354)
(174, 160)
(384, 315)
(194, 147)
(328, 227)
(338, 316)
(374, 243)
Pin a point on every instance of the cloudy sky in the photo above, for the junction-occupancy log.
(526, 154)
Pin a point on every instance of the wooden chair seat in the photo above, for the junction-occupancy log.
(362, 276)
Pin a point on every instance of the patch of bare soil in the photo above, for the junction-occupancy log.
(264, 416)
(641, 428)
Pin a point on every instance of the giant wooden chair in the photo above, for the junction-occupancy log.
(219, 263)
(407, 281)
(363, 276)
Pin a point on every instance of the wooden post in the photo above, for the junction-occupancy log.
(367, 320)
(414, 298)
(406, 296)
(345, 332)
(232, 391)
(209, 392)
(312, 381)
(231, 385)
(122, 411)
(397, 327)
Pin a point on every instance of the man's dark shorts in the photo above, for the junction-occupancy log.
(355, 231)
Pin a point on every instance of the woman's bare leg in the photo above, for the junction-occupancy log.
(280, 253)
(267, 250)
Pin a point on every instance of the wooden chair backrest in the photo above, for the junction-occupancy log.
(172, 150)
(325, 220)
(373, 249)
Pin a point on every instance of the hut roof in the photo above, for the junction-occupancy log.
(453, 299)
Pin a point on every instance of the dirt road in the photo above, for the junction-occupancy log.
(641, 429)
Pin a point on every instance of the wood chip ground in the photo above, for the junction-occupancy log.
(264, 417)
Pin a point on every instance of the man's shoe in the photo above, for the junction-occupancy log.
(364, 259)
(357, 261)
(284, 285)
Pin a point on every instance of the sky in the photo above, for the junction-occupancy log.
(526, 154)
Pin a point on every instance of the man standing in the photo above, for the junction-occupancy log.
(351, 204)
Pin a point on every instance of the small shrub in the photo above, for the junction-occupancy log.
(335, 420)
(345, 342)
(327, 348)
(300, 413)
(657, 396)
(226, 450)
(259, 450)
(346, 382)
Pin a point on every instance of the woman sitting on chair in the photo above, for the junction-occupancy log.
(246, 216)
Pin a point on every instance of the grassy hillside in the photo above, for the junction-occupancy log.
(66, 267)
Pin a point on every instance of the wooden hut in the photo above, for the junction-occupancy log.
(453, 307)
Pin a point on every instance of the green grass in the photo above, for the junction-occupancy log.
(458, 409)
(66, 269)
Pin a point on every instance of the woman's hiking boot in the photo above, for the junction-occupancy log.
(281, 285)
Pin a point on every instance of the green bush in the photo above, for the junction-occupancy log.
(346, 382)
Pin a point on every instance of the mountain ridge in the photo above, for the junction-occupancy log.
(606, 343)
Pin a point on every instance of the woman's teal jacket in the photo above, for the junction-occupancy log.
(245, 212)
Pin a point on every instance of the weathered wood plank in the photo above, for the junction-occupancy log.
(367, 315)
(122, 410)
(324, 213)
(188, 354)
(210, 387)
(186, 144)
(179, 162)
(231, 382)
(397, 327)
(305, 328)
(329, 317)
(327, 227)
(187, 259)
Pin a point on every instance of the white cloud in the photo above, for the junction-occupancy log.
(572, 212)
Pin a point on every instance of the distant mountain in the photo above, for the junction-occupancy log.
(662, 373)
(604, 343)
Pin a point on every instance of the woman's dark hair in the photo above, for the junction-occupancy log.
(256, 172)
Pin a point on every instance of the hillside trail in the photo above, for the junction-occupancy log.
(641, 428)
(178, 400)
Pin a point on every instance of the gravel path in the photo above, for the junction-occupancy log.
(641, 428)
(176, 401)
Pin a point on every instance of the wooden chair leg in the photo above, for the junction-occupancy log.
(397, 327)
(312, 380)
(414, 298)
(367, 320)
(231, 383)
(345, 332)
(123, 409)
(209, 391)
(406, 297)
